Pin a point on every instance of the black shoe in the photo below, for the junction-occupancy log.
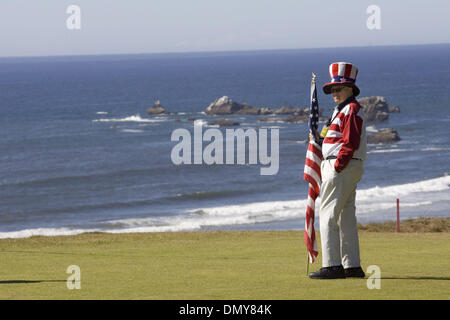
(336, 272)
(354, 273)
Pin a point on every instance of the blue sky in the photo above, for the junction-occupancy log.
(34, 28)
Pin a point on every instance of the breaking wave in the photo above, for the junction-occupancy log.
(423, 198)
(133, 118)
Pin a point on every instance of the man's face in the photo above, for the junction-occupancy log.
(341, 93)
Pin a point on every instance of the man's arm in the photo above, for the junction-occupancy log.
(351, 135)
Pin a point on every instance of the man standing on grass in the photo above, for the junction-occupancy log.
(344, 152)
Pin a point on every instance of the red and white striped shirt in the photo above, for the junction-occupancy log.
(346, 136)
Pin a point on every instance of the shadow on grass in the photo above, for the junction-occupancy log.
(415, 278)
(28, 281)
(56, 253)
(37, 252)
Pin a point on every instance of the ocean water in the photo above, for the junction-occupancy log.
(79, 153)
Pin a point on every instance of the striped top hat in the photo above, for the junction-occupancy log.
(343, 74)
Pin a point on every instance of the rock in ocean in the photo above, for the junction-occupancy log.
(226, 106)
(223, 106)
(376, 108)
(157, 108)
(384, 136)
(223, 123)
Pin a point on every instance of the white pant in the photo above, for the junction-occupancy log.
(338, 227)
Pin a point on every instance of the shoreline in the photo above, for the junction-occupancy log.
(375, 205)
(415, 225)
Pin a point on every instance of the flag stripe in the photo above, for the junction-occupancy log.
(313, 156)
(335, 127)
(348, 70)
(341, 67)
(334, 70)
(314, 168)
(312, 174)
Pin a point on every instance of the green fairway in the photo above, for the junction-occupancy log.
(217, 265)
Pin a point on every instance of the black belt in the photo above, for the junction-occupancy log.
(334, 157)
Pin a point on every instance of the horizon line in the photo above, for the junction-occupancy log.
(219, 51)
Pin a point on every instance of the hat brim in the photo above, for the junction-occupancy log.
(327, 87)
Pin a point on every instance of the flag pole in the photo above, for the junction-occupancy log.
(307, 263)
(313, 84)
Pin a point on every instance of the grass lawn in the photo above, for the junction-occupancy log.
(217, 265)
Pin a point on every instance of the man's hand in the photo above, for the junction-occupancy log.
(311, 136)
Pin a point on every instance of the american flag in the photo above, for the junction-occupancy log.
(312, 175)
(313, 122)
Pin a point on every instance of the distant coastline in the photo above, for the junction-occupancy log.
(213, 53)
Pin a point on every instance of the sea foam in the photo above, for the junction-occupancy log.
(423, 198)
(133, 118)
